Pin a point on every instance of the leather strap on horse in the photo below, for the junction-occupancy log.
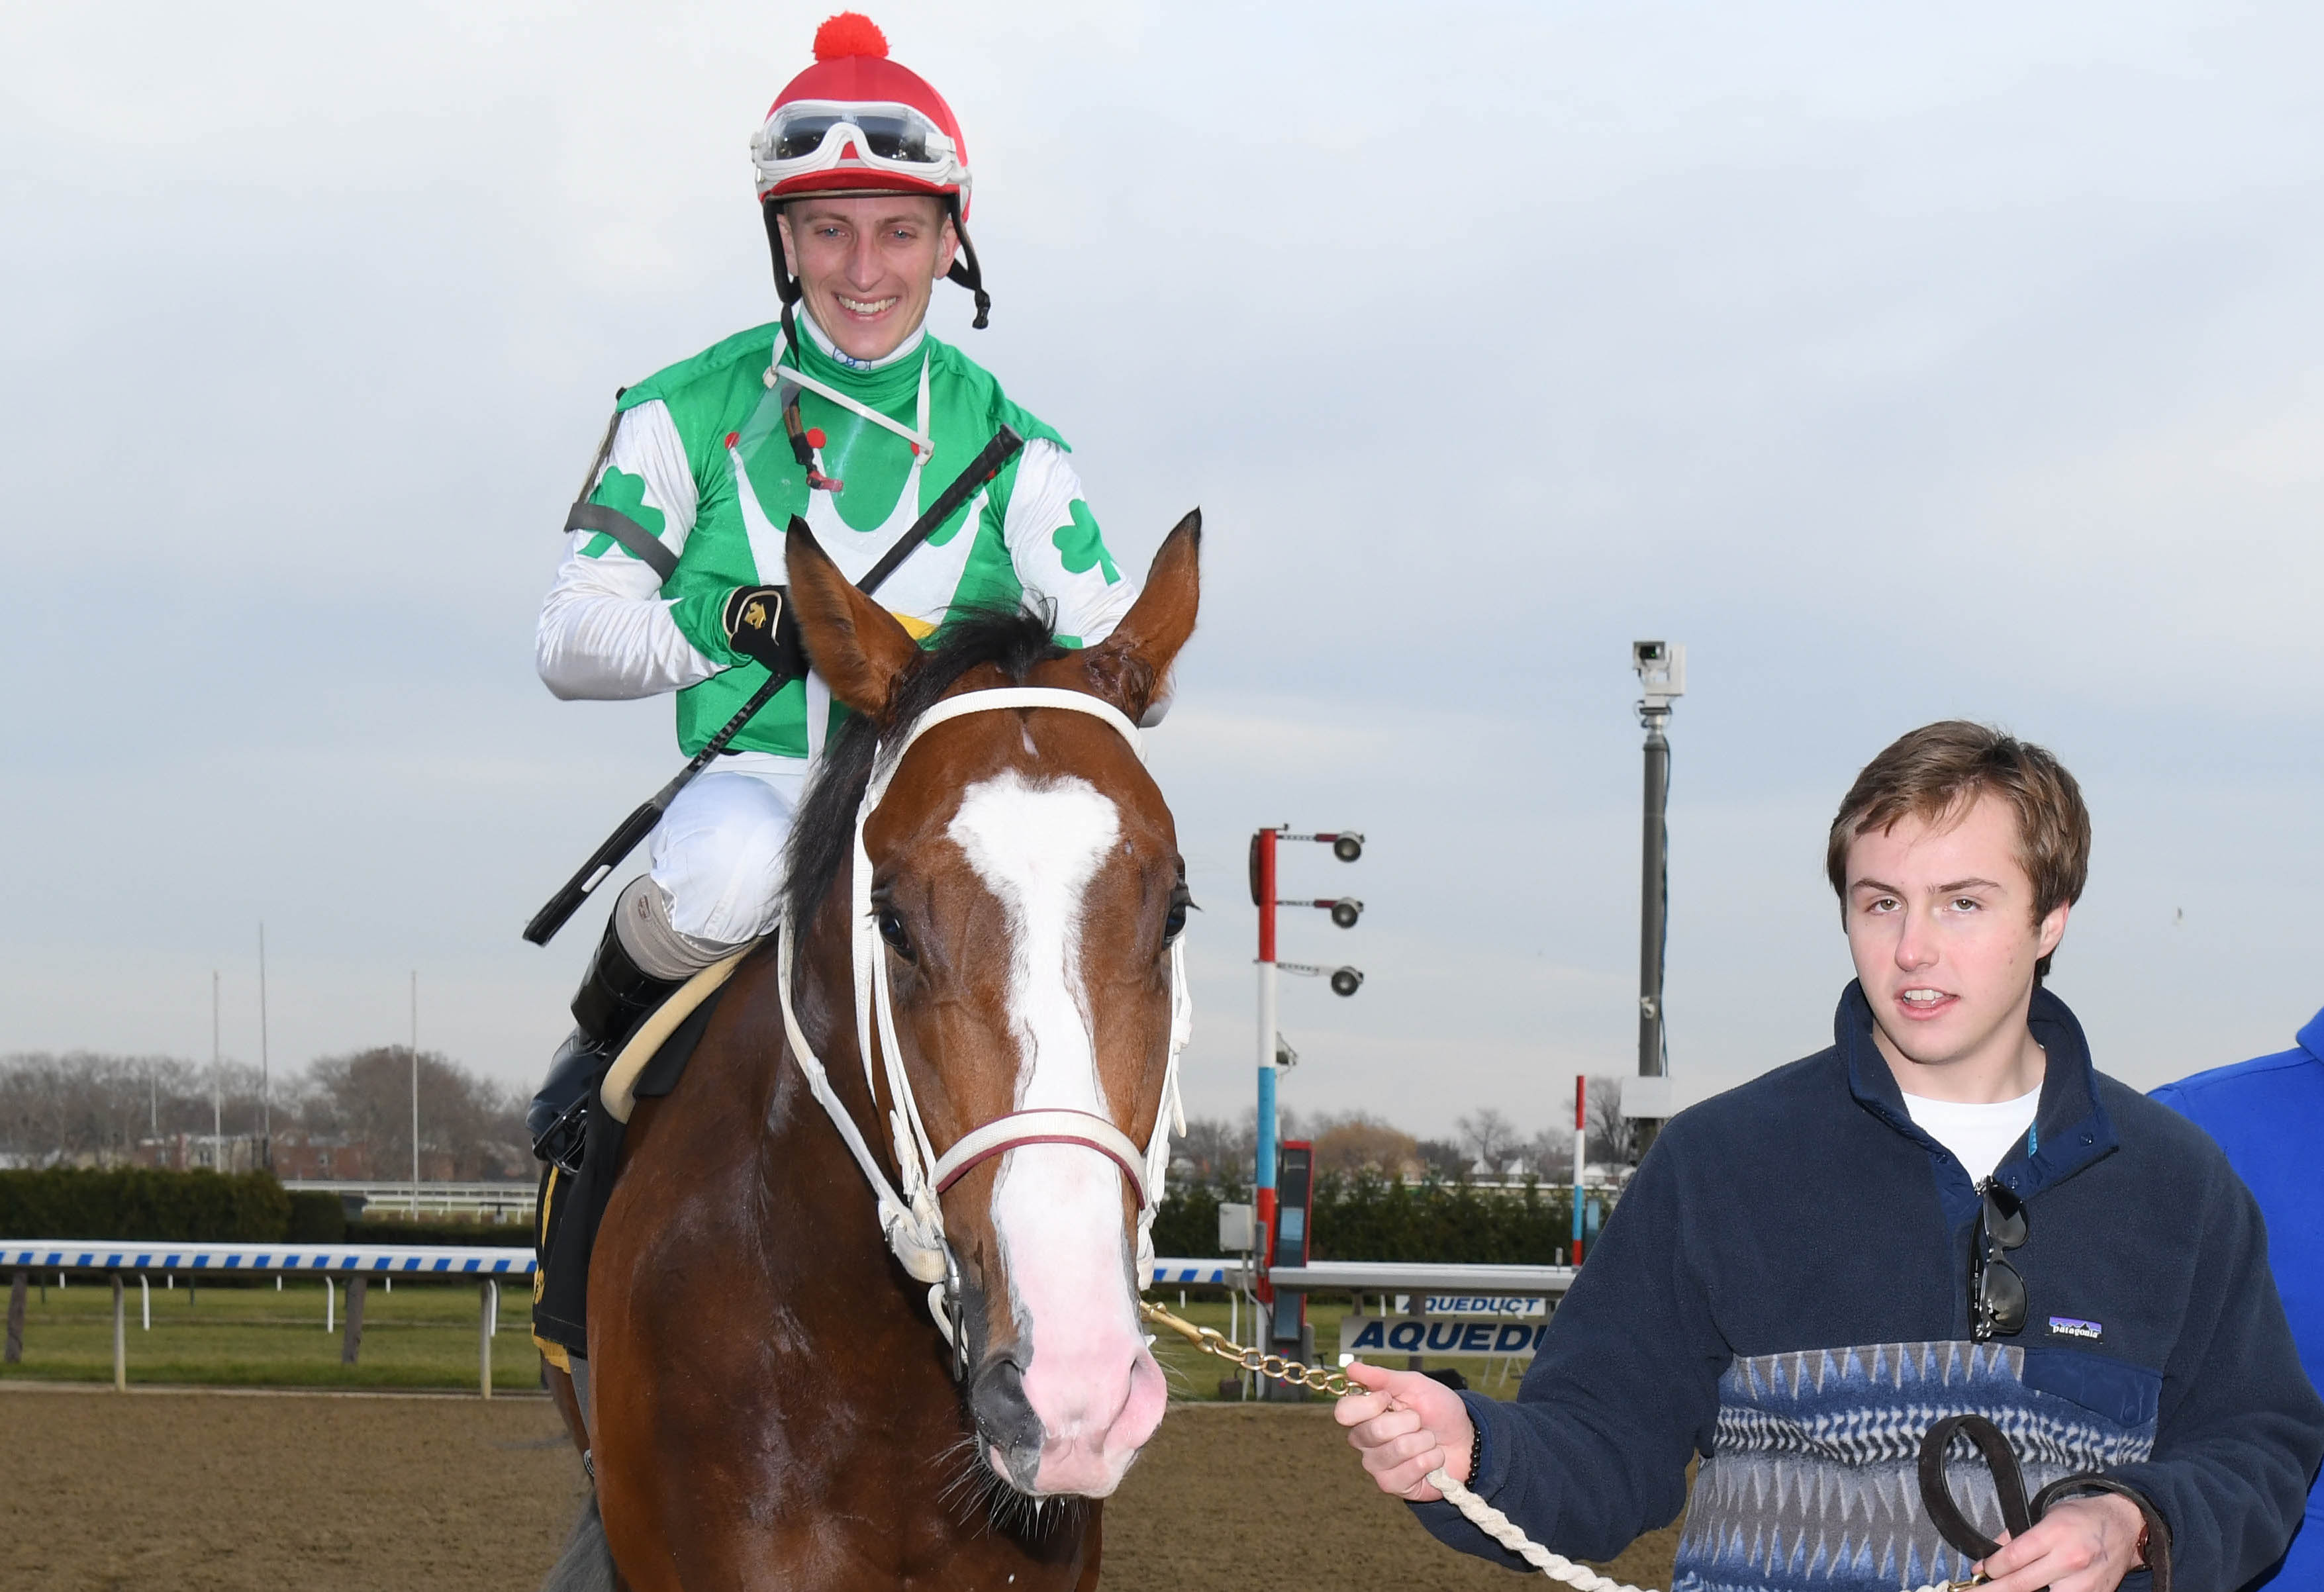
(910, 1219)
(2019, 1515)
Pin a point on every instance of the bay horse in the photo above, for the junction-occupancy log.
(774, 1399)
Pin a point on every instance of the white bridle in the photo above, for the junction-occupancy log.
(909, 1214)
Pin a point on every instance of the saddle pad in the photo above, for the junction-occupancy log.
(648, 1067)
(625, 1082)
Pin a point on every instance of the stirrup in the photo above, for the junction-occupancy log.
(560, 1144)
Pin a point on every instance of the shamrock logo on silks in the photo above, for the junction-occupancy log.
(624, 494)
(1081, 547)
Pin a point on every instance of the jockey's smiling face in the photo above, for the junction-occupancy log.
(868, 264)
(1941, 926)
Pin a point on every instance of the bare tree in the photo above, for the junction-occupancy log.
(1220, 1150)
(93, 1109)
(1613, 1137)
(1442, 1157)
(1492, 1137)
(472, 1125)
(90, 1107)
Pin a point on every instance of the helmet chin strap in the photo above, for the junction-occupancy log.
(966, 272)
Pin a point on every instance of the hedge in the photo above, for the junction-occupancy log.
(1371, 1217)
(316, 1218)
(205, 1207)
(140, 1203)
(485, 1235)
(1363, 1217)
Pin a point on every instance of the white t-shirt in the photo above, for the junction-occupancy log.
(1978, 1135)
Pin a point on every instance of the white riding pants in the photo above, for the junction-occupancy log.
(718, 852)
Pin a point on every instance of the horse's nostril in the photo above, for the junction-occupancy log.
(1003, 1413)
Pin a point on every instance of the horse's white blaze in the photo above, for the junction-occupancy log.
(1057, 1209)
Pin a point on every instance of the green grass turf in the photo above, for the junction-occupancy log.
(424, 1335)
(416, 1335)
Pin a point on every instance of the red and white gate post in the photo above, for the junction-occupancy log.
(1347, 846)
(1581, 1154)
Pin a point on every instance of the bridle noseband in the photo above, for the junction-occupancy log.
(909, 1215)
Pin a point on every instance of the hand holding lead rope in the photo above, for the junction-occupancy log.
(1507, 1531)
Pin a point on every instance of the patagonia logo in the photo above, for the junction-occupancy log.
(2069, 1327)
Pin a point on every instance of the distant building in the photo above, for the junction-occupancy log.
(298, 1154)
(191, 1152)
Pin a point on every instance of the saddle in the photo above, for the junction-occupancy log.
(571, 1207)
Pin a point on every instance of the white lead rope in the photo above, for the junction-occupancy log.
(1503, 1531)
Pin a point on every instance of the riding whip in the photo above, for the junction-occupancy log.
(640, 824)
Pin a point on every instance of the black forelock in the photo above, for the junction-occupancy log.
(1013, 640)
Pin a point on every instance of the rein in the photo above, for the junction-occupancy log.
(910, 1219)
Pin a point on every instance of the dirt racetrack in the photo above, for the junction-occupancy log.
(214, 1492)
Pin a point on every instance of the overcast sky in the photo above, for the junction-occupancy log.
(1902, 364)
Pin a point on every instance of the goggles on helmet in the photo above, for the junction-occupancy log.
(816, 135)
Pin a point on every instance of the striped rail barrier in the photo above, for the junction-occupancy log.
(357, 1263)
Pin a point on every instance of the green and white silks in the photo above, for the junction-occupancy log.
(699, 458)
(611, 630)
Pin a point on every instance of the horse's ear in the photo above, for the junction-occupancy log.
(857, 646)
(1129, 668)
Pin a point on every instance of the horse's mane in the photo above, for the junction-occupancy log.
(1011, 639)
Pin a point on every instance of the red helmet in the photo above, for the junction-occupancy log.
(856, 123)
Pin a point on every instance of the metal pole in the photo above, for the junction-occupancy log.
(265, 1076)
(218, 1129)
(120, 1337)
(488, 1313)
(1263, 1169)
(144, 1304)
(1653, 905)
(415, 1094)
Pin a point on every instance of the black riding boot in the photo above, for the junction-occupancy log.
(614, 996)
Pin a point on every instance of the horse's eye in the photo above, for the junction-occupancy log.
(892, 929)
(1174, 924)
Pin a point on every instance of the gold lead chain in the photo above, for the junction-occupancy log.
(1273, 1366)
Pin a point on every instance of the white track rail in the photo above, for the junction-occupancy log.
(82, 1255)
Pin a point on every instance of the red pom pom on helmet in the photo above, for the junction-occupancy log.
(851, 32)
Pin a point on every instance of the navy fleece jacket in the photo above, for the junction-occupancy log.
(1784, 1289)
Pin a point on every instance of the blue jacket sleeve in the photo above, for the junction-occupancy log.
(2239, 1431)
(1625, 1391)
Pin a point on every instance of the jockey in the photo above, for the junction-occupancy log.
(846, 412)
